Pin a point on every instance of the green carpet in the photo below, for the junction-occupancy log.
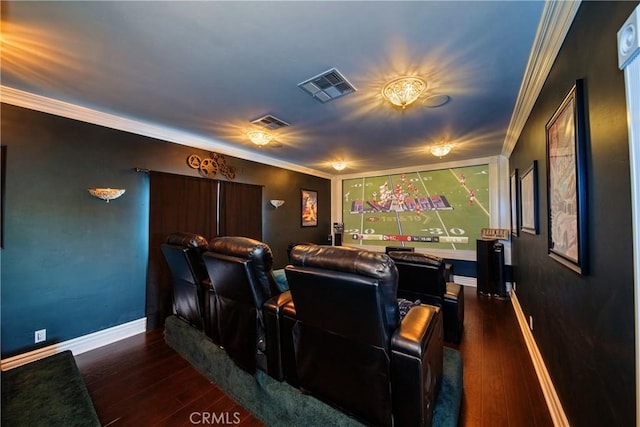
(48, 392)
(450, 396)
(277, 403)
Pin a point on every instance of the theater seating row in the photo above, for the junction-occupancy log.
(337, 333)
(220, 287)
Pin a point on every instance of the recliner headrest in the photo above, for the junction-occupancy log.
(257, 252)
(345, 259)
(190, 240)
(416, 258)
(243, 247)
(293, 245)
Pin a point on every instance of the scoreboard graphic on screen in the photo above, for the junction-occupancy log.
(443, 209)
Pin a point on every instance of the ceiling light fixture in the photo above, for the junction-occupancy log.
(259, 137)
(403, 91)
(441, 150)
(339, 165)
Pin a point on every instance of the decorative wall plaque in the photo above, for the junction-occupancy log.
(210, 166)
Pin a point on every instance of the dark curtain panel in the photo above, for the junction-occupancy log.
(240, 210)
(177, 203)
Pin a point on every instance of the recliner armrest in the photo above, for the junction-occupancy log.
(275, 304)
(416, 365)
(414, 333)
(454, 291)
(453, 312)
(272, 312)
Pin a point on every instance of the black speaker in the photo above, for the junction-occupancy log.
(338, 229)
(499, 279)
(485, 266)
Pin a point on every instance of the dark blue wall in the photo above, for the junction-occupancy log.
(584, 324)
(463, 268)
(74, 264)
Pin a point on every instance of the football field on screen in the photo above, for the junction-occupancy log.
(438, 209)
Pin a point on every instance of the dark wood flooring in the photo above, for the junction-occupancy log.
(140, 381)
(499, 381)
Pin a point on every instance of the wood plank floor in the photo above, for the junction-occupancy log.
(140, 381)
(499, 381)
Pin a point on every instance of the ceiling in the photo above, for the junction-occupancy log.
(198, 73)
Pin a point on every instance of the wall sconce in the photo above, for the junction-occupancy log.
(276, 203)
(106, 193)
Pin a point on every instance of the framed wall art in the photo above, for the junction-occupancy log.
(513, 194)
(566, 181)
(309, 212)
(529, 199)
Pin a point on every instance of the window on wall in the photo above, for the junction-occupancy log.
(435, 209)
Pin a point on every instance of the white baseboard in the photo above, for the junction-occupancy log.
(550, 396)
(79, 345)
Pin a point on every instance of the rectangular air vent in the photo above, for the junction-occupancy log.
(270, 122)
(327, 86)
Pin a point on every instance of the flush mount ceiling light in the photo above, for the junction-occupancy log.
(340, 165)
(259, 137)
(403, 91)
(441, 150)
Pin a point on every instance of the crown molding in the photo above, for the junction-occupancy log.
(556, 19)
(56, 107)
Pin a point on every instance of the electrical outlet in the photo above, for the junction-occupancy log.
(531, 322)
(41, 335)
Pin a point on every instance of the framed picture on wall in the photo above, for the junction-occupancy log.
(566, 182)
(513, 193)
(309, 211)
(529, 199)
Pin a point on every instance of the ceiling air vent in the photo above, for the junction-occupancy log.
(327, 86)
(270, 122)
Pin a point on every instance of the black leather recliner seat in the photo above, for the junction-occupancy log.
(423, 277)
(183, 253)
(351, 347)
(242, 282)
